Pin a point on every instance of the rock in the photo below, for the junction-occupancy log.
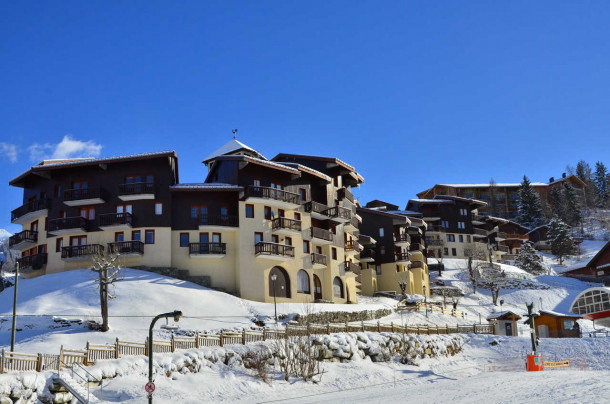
(5, 400)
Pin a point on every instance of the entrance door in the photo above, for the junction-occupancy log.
(281, 282)
(509, 329)
(317, 288)
(543, 331)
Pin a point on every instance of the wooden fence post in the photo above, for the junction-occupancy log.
(474, 328)
(447, 326)
(328, 328)
(308, 330)
(39, 363)
(392, 325)
(264, 334)
(346, 326)
(173, 343)
(2, 363)
(362, 324)
(197, 339)
(221, 338)
(243, 336)
(61, 357)
(378, 326)
(87, 355)
(116, 349)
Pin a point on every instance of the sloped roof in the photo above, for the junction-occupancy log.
(208, 186)
(232, 146)
(503, 314)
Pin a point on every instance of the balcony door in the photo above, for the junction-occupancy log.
(317, 288)
(34, 226)
(76, 241)
(124, 208)
(204, 239)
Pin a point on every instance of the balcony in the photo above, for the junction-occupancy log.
(339, 214)
(416, 265)
(272, 196)
(431, 215)
(402, 258)
(479, 233)
(81, 252)
(127, 248)
(283, 225)
(84, 196)
(513, 236)
(433, 228)
(344, 193)
(68, 225)
(416, 247)
(478, 219)
(318, 261)
(116, 221)
(435, 243)
(402, 239)
(35, 261)
(30, 211)
(352, 247)
(218, 222)
(354, 268)
(274, 251)
(416, 252)
(352, 225)
(500, 236)
(321, 236)
(22, 240)
(316, 209)
(207, 250)
(136, 191)
(367, 255)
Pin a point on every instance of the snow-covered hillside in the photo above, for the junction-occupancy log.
(4, 234)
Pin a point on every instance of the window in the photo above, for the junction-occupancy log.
(303, 282)
(124, 207)
(288, 241)
(468, 239)
(306, 247)
(249, 211)
(258, 237)
(88, 212)
(281, 213)
(464, 212)
(382, 250)
(318, 250)
(568, 325)
(445, 251)
(257, 183)
(275, 239)
(224, 211)
(149, 237)
(80, 185)
(381, 232)
(378, 269)
(59, 243)
(334, 253)
(63, 214)
(445, 224)
(303, 194)
(461, 225)
(136, 235)
(204, 238)
(461, 238)
(267, 212)
(216, 238)
(197, 210)
(34, 226)
(277, 185)
(297, 216)
(158, 208)
(337, 287)
(57, 191)
(451, 238)
(76, 241)
(119, 237)
(184, 239)
(453, 252)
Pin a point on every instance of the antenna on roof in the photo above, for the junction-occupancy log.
(234, 133)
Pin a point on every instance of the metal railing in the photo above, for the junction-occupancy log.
(82, 193)
(416, 247)
(285, 223)
(351, 267)
(66, 223)
(402, 256)
(402, 237)
(254, 191)
(208, 248)
(218, 220)
(322, 234)
(81, 250)
(318, 259)
(116, 219)
(126, 247)
(338, 212)
(34, 261)
(26, 235)
(437, 228)
(352, 245)
(313, 206)
(30, 207)
(267, 248)
(136, 188)
(435, 242)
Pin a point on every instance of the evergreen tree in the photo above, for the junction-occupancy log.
(601, 183)
(529, 260)
(561, 240)
(585, 174)
(571, 208)
(493, 203)
(530, 208)
(557, 205)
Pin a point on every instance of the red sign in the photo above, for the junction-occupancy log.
(150, 387)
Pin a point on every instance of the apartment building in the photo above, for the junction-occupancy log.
(255, 227)
(503, 198)
(394, 250)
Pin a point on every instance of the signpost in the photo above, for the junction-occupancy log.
(149, 387)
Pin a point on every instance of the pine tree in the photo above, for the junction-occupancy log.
(561, 240)
(571, 208)
(601, 183)
(530, 207)
(529, 260)
(585, 174)
(493, 203)
(557, 205)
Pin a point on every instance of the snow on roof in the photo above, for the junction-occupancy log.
(501, 314)
(102, 160)
(431, 200)
(206, 186)
(556, 314)
(306, 169)
(229, 147)
(498, 184)
(537, 228)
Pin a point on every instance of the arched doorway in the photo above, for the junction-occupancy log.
(282, 282)
(337, 287)
(317, 288)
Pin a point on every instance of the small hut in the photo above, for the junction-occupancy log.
(504, 322)
(551, 324)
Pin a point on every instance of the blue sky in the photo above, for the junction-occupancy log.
(412, 93)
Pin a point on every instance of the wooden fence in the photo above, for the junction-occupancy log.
(15, 361)
(434, 308)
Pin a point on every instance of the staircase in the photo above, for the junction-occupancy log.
(80, 393)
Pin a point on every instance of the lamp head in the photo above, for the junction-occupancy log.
(177, 315)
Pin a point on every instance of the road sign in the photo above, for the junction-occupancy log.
(150, 387)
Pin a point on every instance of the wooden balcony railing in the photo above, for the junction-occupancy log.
(254, 191)
(480, 232)
(517, 236)
(402, 256)
(66, 223)
(26, 235)
(322, 234)
(338, 212)
(435, 227)
(345, 193)
(313, 206)
(208, 248)
(34, 261)
(401, 238)
(352, 245)
(81, 250)
(367, 253)
(137, 188)
(501, 234)
(318, 259)
(416, 247)
(83, 193)
(116, 219)
(435, 242)
(351, 267)
(266, 248)
(285, 223)
(126, 247)
(218, 220)
(30, 207)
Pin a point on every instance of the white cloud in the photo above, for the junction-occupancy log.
(9, 151)
(67, 148)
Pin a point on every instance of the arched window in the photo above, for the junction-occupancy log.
(281, 282)
(303, 282)
(337, 287)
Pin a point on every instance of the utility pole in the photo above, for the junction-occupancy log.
(15, 307)
(176, 315)
(531, 316)
(273, 278)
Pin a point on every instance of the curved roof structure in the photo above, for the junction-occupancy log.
(593, 303)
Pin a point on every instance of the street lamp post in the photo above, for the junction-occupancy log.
(15, 307)
(501, 303)
(425, 301)
(176, 315)
(403, 288)
(273, 278)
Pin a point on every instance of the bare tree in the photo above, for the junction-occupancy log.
(492, 277)
(108, 271)
(472, 253)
